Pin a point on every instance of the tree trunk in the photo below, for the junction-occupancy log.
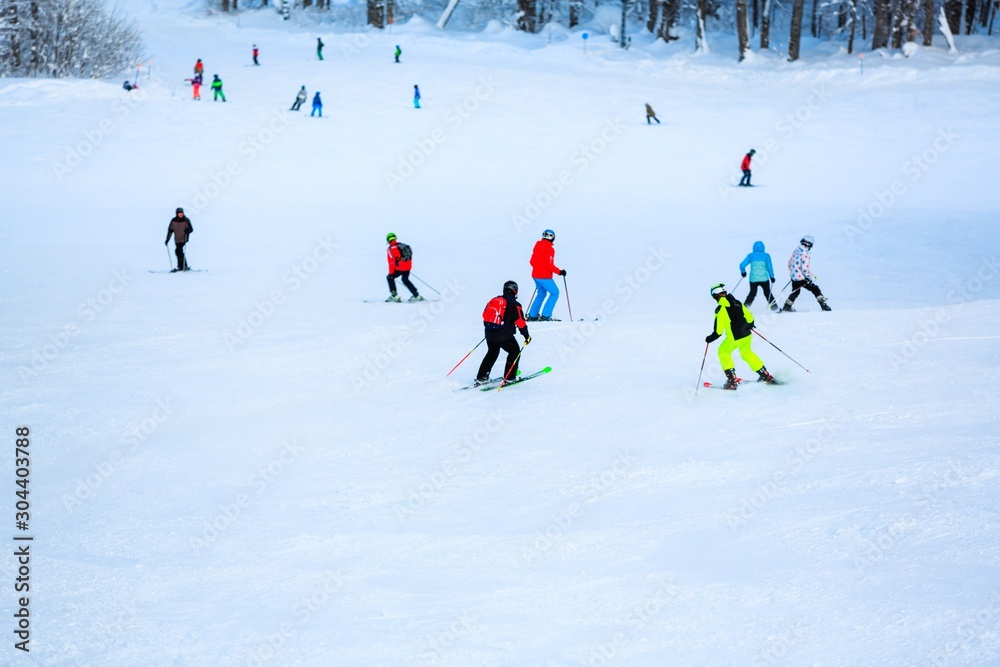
(812, 21)
(575, 7)
(765, 26)
(795, 32)
(376, 13)
(741, 27)
(953, 12)
(853, 18)
(653, 21)
(883, 18)
(701, 39)
(527, 14)
(755, 7)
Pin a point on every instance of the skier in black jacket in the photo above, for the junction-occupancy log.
(502, 317)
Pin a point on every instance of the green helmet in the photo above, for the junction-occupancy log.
(390, 237)
(718, 290)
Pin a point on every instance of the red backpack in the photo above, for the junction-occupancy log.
(494, 312)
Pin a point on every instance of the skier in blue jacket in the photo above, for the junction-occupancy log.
(761, 274)
(317, 105)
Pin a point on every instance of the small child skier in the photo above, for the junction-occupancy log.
(256, 52)
(802, 276)
(761, 274)
(398, 53)
(416, 97)
(317, 105)
(734, 321)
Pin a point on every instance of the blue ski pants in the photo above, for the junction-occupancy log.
(546, 288)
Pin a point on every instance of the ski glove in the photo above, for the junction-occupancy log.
(772, 281)
(527, 340)
(524, 333)
(712, 337)
(166, 242)
(563, 272)
(743, 275)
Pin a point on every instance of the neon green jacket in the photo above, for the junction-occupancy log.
(732, 319)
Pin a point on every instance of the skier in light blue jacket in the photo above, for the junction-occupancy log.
(761, 274)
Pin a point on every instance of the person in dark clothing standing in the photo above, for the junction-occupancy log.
(256, 52)
(502, 317)
(319, 48)
(745, 166)
(180, 228)
(651, 115)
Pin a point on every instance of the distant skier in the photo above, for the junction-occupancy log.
(317, 105)
(195, 86)
(300, 99)
(129, 87)
(651, 115)
(256, 52)
(416, 97)
(398, 53)
(502, 316)
(180, 228)
(745, 166)
(199, 69)
(400, 258)
(761, 274)
(543, 267)
(802, 276)
(217, 89)
(734, 321)
(319, 48)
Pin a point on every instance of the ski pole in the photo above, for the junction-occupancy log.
(738, 283)
(432, 289)
(512, 367)
(532, 299)
(786, 286)
(568, 304)
(465, 357)
(780, 350)
(702, 369)
(170, 263)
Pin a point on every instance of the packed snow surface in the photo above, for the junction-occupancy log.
(250, 465)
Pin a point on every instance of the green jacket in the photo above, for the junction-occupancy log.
(217, 84)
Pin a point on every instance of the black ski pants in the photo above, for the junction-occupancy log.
(404, 276)
(493, 348)
(765, 287)
(803, 284)
(746, 177)
(297, 104)
(181, 260)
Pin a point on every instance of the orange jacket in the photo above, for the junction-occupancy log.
(395, 263)
(543, 260)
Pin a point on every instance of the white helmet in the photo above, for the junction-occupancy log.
(807, 241)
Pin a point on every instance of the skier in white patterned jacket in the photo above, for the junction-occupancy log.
(802, 276)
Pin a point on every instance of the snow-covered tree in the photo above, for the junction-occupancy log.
(65, 38)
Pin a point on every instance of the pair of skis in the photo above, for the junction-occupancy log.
(739, 381)
(496, 384)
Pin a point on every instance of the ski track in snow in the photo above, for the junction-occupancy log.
(249, 466)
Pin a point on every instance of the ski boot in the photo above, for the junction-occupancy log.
(764, 376)
(393, 298)
(532, 318)
(731, 381)
(416, 297)
(823, 304)
(545, 318)
(787, 308)
(481, 381)
(774, 307)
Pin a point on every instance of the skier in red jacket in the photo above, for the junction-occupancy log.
(745, 166)
(400, 260)
(501, 318)
(543, 267)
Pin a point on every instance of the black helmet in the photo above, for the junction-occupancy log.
(510, 286)
(179, 210)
